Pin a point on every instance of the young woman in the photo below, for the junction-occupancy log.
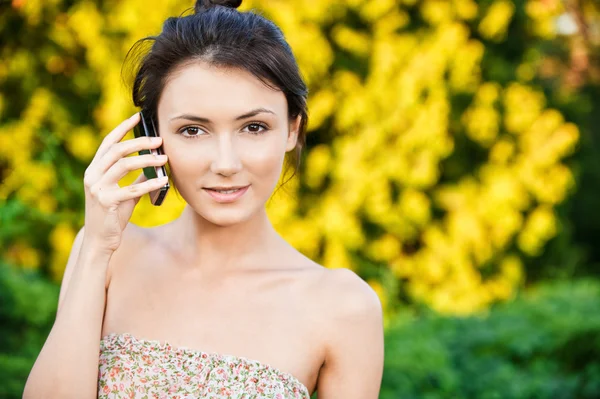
(214, 304)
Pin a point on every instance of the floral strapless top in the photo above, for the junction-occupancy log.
(137, 368)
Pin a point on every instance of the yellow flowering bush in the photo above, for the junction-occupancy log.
(433, 168)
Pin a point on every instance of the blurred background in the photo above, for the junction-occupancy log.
(453, 162)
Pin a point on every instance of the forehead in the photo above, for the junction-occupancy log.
(209, 89)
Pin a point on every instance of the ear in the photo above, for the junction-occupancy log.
(293, 131)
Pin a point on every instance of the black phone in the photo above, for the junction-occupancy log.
(147, 127)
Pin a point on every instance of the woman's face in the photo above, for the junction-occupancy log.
(224, 129)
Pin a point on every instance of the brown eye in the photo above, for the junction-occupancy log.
(255, 128)
(191, 132)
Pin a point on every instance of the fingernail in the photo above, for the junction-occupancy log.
(155, 139)
(134, 115)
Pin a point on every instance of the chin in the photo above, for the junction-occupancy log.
(225, 219)
(224, 216)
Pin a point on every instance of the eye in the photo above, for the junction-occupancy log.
(256, 125)
(191, 132)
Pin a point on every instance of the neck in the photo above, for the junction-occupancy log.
(216, 250)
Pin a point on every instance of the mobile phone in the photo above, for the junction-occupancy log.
(147, 127)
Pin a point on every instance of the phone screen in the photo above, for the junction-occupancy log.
(147, 127)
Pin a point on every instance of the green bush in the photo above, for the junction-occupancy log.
(27, 312)
(543, 345)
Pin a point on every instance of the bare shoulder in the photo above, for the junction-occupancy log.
(347, 294)
(339, 287)
(352, 320)
(335, 293)
(133, 240)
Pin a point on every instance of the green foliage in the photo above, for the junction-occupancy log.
(27, 311)
(543, 345)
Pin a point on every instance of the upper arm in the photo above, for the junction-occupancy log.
(73, 256)
(353, 366)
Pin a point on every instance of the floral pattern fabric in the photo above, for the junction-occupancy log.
(145, 369)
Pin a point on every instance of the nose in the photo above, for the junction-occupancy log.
(226, 161)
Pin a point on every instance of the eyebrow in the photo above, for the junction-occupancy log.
(196, 118)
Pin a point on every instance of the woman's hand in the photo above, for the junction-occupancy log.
(108, 207)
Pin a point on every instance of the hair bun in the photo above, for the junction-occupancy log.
(203, 5)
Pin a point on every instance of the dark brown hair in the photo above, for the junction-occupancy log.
(220, 35)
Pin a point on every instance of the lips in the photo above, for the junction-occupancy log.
(224, 188)
(224, 194)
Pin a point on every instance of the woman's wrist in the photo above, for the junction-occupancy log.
(93, 251)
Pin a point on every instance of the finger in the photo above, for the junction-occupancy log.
(140, 179)
(128, 164)
(117, 134)
(135, 191)
(122, 149)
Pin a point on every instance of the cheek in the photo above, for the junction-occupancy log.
(186, 159)
(263, 158)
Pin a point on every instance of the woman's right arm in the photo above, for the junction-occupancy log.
(67, 366)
